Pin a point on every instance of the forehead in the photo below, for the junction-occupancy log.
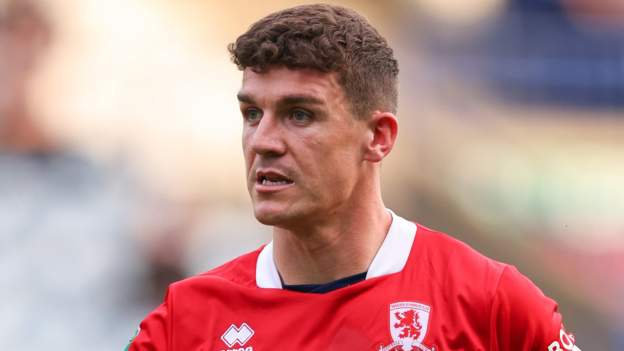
(281, 81)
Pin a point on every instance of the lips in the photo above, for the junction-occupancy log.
(271, 180)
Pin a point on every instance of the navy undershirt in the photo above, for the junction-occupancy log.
(327, 287)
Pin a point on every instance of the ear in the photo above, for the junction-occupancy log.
(382, 133)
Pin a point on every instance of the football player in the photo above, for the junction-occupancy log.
(342, 272)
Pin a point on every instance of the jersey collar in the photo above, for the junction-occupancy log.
(391, 257)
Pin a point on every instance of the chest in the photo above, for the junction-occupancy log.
(387, 316)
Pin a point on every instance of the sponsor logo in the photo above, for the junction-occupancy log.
(238, 335)
(408, 327)
(565, 343)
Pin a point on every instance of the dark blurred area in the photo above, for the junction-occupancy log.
(121, 169)
(566, 52)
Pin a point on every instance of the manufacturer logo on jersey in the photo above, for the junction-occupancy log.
(235, 335)
(408, 326)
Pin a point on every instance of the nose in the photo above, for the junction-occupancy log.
(267, 138)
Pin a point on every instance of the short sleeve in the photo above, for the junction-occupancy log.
(523, 318)
(154, 331)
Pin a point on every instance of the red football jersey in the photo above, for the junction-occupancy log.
(423, 291)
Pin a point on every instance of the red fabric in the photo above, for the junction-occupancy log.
(475, 304)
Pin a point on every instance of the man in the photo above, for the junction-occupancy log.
(318, 101)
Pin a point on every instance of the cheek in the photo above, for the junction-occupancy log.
(247, 154)
(336, 163)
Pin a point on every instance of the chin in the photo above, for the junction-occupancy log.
(274, 215)
(270, 217)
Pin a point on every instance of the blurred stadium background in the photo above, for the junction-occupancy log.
(121, 169)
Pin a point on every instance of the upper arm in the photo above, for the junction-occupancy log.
(523, 318)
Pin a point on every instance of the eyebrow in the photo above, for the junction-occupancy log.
(284, 100)
(242, 97)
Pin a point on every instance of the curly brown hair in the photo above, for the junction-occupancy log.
(329, 39)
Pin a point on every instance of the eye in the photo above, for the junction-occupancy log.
(252, 115)
(301, 116)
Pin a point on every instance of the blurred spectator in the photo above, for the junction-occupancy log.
(165, 228)
(67, 265)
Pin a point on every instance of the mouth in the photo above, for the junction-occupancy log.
(271, 181)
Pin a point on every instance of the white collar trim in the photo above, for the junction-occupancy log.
(266, 272)
(391, 257)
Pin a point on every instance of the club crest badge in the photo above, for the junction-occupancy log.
(408, 327)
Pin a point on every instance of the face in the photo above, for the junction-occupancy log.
(303, 148)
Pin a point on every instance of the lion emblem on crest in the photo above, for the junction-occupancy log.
(408, 326)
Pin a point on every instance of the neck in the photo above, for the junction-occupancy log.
(342, 245)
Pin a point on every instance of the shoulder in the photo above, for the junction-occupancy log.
(452, 261)
(459, 263)
(456, 272)
(240, 272)
(188, 301)
(514, 310)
